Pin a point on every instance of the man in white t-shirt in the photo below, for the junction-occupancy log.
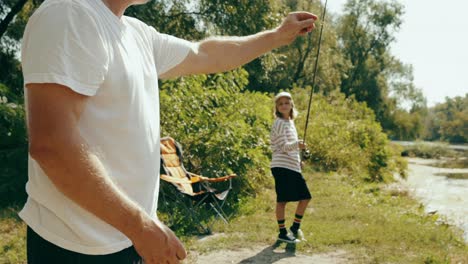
(91, 90)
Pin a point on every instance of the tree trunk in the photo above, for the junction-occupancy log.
(9, 17)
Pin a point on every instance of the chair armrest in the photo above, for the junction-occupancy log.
(197, 178)
(174, 180)
(220, 179)
(194, 178)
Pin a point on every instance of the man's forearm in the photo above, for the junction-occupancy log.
(79, 174)
(227, 53)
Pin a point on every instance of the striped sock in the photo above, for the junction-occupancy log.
(282, 227)
(297, 222)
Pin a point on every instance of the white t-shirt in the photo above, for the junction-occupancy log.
(116, 61)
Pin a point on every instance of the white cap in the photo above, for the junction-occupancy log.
(283, 94)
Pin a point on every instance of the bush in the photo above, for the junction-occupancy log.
(429, 150)
(221, 129)
(224, 129)
(13, 150)
(343, 135)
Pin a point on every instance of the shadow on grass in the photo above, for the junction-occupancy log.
(271, 255)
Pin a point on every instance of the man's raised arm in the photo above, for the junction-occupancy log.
(221, 54)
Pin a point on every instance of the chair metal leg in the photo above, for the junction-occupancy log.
(220, 214)
(220, 207)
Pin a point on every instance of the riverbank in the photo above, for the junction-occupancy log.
(346, 222)
(442, 190)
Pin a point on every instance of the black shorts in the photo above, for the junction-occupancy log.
(41, 251)
(290, 185)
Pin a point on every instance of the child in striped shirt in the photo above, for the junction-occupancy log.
(286, 166)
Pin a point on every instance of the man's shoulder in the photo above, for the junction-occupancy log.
(65, 12)
(65, 5)
(136, 23)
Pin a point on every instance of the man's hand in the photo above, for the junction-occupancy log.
(294, 25)
(156, 243)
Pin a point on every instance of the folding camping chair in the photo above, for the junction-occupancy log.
(189, 185)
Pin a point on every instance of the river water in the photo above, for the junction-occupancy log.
(448, 197)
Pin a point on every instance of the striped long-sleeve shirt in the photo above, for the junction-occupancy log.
(284, 144)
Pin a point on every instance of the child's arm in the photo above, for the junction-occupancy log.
(280, 139)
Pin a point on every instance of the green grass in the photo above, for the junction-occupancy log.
(12, 242)
(369, 221)
(373, 224)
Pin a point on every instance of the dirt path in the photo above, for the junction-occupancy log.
(278, 254)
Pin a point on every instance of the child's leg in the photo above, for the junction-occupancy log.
(283, 232)
(301, 207)
(280, 208)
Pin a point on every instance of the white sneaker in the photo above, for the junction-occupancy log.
(298, 234)
(288, 238)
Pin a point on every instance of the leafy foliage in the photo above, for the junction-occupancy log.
(13, 150)
(343, 135)
(293, 65)
(374, 76)
(170, 17)
(428, 150)
(449, 121)
(221, 129)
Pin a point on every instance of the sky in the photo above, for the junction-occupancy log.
(434, 39)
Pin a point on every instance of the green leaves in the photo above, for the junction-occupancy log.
(13, 149)
(448, 121)
(221, 128)
(344, 136)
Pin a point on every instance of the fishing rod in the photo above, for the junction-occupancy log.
(306, 152)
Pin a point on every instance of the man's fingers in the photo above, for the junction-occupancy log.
(307, 24)
(304, 16)
(181, 255)
(180, 251)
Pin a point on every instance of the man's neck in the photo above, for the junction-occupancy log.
(117, 7)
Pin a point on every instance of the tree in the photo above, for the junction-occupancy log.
(171, 17)
(240, 18)
(14, 9)
(13, 139)
(449, 120)
(294, 64)
(366, 31)
(375, 76)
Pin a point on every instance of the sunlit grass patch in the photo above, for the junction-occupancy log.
(13, 241)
